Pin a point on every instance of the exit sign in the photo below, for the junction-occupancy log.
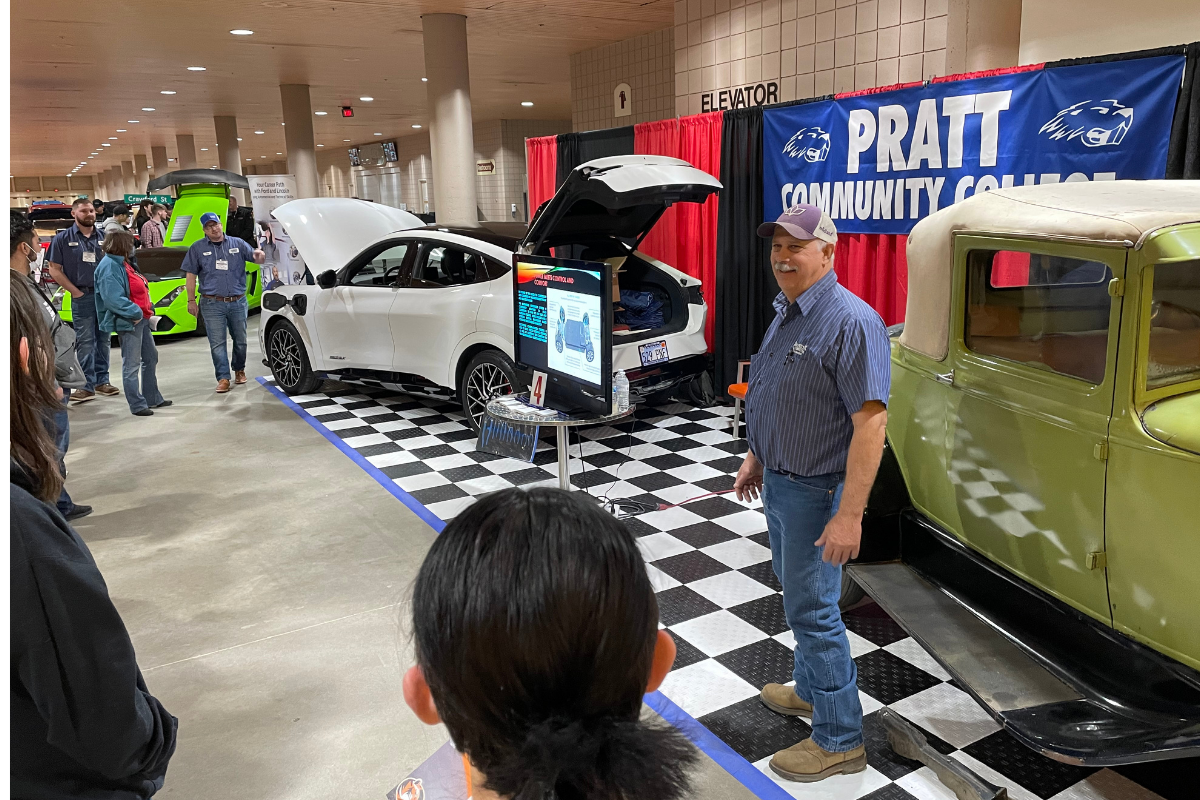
(347, 111)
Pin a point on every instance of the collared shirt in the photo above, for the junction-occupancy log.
(153, 233)
(221, 266)
(77, 254)
(822, 358)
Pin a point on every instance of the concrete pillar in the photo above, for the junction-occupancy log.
(140, 171)
(118, 183)
(229, 151)
(451, 134)
(185, 144)
(251, 169)
(158, 155)
(130, 179)
(280, 167)
(101, 185)
(298, 135)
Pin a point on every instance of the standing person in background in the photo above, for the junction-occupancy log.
(23, 250)
(220, 263)
(240, 222)
(82, 723)
(154, 230)
(123, 303)
(72, 260)
(144, 213)
(102, 210)
(119, 221)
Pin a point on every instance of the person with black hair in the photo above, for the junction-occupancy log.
(536, 634)
(82, 723)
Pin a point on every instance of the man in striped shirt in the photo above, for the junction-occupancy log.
(816, 410)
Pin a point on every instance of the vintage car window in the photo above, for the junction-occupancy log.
(441, 266)
(382, 270)
(1048, 312)
(1174, 354)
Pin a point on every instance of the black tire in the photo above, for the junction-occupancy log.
(851, 592)
(589, 353)
(489, 374)
(289, 360)
(558, 341)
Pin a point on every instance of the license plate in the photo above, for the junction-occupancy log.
(653, 353)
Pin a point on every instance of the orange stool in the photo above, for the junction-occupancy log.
(738, 392)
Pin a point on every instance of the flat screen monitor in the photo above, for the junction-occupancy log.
(354, 161)
(563, 315)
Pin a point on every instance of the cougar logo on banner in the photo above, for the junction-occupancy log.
(1093, 123)
(811, 144)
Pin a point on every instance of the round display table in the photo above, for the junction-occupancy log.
(562, 423)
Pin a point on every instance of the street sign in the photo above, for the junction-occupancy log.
(134, 199)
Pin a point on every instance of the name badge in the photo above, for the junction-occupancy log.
(72, 244)
(207, 253)
(89, 257)
(798, 349)
(222, 264)
(233, 249)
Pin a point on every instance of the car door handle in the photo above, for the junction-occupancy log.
(945, 377)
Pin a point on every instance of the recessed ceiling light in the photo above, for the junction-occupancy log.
(112, 138)
(366, 99)
(241, 32)
(202, 149)
(279, 154)
(345, 140)
(239, 138)
(526, 103)
(170, 159)
(147, 109)
(265, 156)
(320, 145)
(377, 134)
(249, 159)
(320, 113)
(196, 69)
(260, 133)
(416, 126)
(106, 144)
(134, 121)
(91, 156)
(120, 130)
(166, 91)
(424, 80)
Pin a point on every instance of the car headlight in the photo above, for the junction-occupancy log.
(169, 297)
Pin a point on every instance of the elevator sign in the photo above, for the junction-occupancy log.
(622, 100)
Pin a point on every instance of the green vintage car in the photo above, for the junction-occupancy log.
(1036, 521)
(199, 191)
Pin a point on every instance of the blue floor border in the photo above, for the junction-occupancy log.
(742, 770)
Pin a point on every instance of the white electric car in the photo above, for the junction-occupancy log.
(429, 309)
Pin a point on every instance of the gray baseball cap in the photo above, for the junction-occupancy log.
(804, 222)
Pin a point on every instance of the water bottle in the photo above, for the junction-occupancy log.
(621, 392)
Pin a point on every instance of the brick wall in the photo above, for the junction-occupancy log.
(645, 62)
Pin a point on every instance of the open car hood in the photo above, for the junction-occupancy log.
(617, 197)
(329, 231)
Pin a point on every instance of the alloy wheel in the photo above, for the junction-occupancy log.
(285, 357)
(485, 382)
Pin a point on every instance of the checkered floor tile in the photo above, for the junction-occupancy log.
(709, 562)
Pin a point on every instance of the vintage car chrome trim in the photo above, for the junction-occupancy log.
(1146, 234)
(1046, 237)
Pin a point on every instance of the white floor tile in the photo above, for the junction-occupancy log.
(1106, 785)
(425, 480)
(391, 459)
(660, 580)
(670, 519)
(449, 509)
(743, 523)
(503, 465)
(645, 450)
(738, 553)
(924, 785)
(858, 645)
(704, 454)
(392, 425)
(1015, 790)
(369, 411)
(489, 483)
(714, 436)
(342, 424)
(629, 469)
(320, 411)
(417, 442)
(654, 434)
(730, 589)
(366, 439)
(681, 494)
(948, 713)
(694, 472)
(661, 545)
(705, 687)
(718, 632)
(837, 787)
(449, 462)
(869, 704)
(913, 653)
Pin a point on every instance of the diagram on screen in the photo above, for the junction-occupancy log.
(576, 333)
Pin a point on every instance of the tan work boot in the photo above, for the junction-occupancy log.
(223, 386)
(108, 390)
(807, 762)
(239, 377)
(784, 700)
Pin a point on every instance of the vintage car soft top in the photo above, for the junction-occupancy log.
(1106, 210)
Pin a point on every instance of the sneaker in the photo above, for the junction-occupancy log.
(164, 404)
(82, 396)
(107, 389)
(239, 376)
(807, 762)
(145, 412)
(223, 386)
(784, 700)
(77, 511)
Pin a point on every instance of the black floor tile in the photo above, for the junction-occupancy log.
(404, 433)
(762, 538)
(754, 730)
(436, 494)
(606, 459)
(764, 573)
(1020, 764)
(686, 653)
(765, 661)
(880, 754)
(676, 445)
(481, 457)
(384, 417)
(357, 404)
(765, 613)
(889, 792)
(737, 446)
(349, 433)
(378, 449)
(667, 461)
(436, 451)
(547, 456)
(457, 436)
(714, 507)
(692, 566)
(719, 483)
(467, 473)
(688, 429)
(653, 481)
(702, 534)
(591, 477)
(524, 476)
(698, 414)
(681, 604)
(731, 464)
(871, 623)
(404, 470)
(639, 528)
(334, 417)
(434, 419)
(889, 679)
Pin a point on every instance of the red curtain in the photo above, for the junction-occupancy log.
(696, 242)
(660, 139)
(541, 155)
(875, 268)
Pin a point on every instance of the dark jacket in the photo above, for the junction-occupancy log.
(83, 724)
(241, 225)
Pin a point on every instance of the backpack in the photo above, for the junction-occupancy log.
(67, 370)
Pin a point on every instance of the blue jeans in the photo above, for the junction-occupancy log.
(138, 354)
(62, 440)
(797, 510)
(219, 317)
(91, 343)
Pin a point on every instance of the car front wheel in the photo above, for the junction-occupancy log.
(288, 360)
(489, 374)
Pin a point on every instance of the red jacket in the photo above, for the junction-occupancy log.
(139, 291)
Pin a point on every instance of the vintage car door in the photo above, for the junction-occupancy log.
(1034, 333)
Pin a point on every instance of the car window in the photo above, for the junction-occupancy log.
(492, 270)
(1049, 312)
(1174, 354)
(441, 266)
(383, 269)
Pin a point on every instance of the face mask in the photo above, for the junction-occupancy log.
(33, 253)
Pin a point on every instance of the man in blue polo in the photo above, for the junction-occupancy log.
(815, 417)
(72, 260)
(220, 263)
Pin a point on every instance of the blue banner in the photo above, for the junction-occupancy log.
(877, 163)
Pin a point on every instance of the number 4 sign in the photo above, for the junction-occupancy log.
(537, 392)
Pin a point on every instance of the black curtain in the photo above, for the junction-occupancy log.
(579, 148)
(1183, 153)
(745, 286)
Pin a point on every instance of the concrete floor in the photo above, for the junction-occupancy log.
(263, 578)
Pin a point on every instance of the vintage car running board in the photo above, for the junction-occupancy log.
(910, 743)
(1059, 682)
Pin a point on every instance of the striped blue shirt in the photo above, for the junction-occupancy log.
(823, 357)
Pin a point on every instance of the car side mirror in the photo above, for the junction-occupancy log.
(327, 279)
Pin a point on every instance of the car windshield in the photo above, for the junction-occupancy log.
(1174, 354)
(46, 228)
(161, 263)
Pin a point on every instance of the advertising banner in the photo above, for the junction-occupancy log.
(283, 264)
(879, 162)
